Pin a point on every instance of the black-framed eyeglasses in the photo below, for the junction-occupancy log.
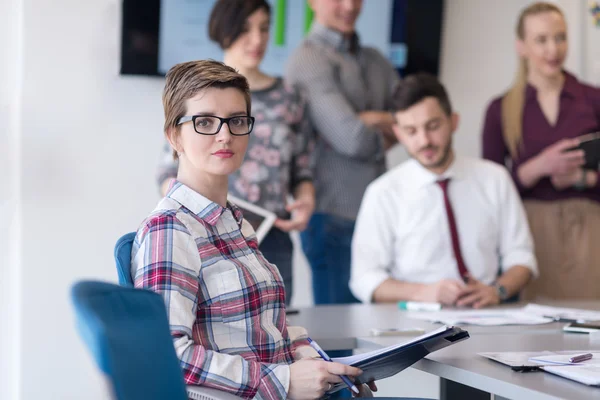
(211, 124)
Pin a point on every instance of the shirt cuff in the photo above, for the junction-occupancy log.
(523, 258)
(364, 285)
(274, 382)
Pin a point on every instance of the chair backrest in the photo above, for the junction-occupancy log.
(127, 332)
(123, 258)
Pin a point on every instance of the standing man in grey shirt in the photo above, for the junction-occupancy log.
(349, 89)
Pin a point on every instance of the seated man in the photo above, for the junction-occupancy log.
(439, 227)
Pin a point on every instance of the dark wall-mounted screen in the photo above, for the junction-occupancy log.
(156, 34)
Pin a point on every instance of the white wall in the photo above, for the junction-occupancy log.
(591, 65)
(10, 29)
(89, 143)
(479, 60)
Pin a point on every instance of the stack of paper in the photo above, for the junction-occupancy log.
(586, 372)
(516, 359)
(561, 313)
(491, 317)
(532, 314)
(555, 362)
(563, 357)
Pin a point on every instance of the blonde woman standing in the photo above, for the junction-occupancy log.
(532, 129)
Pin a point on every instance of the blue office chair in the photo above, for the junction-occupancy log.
(127, 331)
(128, 334)
(123, 258)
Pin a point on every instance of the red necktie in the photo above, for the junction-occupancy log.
(462, 269)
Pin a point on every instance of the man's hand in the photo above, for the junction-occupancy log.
(301, 210)
(381, 121)
(446, 291)
(478, 295)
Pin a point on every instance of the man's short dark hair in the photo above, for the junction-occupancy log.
(415, 88)
(227, 19)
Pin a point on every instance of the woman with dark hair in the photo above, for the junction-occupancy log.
(533, 128)
(277, 164)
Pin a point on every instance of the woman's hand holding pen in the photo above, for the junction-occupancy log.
(310, 378)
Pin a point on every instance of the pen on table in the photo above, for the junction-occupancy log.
(325, 357)
(561, 319)
(581, 357)
(419, 306)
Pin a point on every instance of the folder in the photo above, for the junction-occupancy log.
(386, 362)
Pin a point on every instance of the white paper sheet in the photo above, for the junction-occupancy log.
(491, 317)
(561, 312)
(517, 358)
(563, 358)
(586, 374)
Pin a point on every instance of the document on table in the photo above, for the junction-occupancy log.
(490, 317)
(561, 313)
(562, 358)
(520, 359)
(586, 374)
(516, 358)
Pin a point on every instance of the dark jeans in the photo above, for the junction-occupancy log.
(326, 243)
(278, 249)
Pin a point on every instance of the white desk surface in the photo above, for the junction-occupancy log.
(340, 326)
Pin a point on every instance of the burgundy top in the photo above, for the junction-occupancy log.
(579, 113)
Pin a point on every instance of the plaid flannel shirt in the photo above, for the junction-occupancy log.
(225, 301)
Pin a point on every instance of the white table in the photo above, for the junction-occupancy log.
(347, 327)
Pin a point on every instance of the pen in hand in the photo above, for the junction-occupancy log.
(325, 357)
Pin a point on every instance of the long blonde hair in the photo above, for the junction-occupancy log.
(513, 101)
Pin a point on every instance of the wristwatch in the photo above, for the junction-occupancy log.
(582, 184)
(501, 292)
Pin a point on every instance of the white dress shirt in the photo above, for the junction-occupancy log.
(402, 229)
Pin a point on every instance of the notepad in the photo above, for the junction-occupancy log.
(586, 374)
(563, 358)
(554, 362)
(386, 362)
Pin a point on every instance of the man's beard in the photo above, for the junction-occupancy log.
(443, 159)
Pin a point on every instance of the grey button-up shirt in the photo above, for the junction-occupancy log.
(342, 79)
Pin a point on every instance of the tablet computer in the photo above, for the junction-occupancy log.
(590, 144)
(583, 327)
(261, 220)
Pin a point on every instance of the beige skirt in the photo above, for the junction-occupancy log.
(566, 234)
